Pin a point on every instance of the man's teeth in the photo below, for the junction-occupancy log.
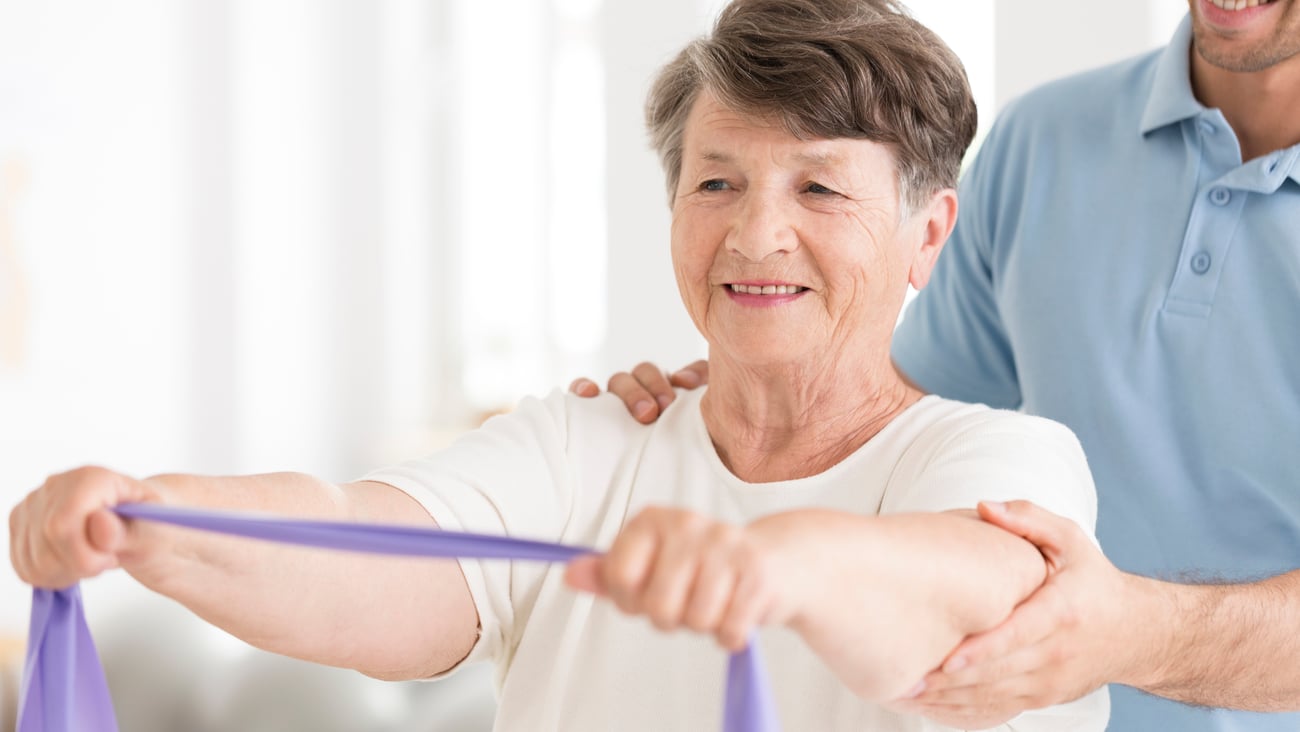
(767, 289)
(1239, 4)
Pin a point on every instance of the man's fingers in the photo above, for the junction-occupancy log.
(638, 400)
(1031, 659)
(1008, 674)
(645, 392)
(691, 376)
(1051, 533)
(584, 387)
(652, 378)
(1031, 622)
(1004, 699)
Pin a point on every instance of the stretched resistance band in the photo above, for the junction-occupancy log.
(64, 689)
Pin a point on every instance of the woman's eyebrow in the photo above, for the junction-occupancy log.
(817, 158)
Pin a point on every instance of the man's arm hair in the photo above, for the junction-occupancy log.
(1231, 645)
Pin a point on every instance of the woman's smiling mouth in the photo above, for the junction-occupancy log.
(743, 289)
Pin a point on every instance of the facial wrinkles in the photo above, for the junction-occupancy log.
(845, 257)
(854, 252)
(845, 252)
(868, 292)
(842, 244)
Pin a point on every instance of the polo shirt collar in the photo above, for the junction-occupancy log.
(1171, 97)
(1290, 160)
(1267, 173)
(1172, 101)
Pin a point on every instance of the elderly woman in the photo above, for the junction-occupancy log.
(811, 148)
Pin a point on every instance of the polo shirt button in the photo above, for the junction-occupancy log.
(1220, 196)
(1201, 262)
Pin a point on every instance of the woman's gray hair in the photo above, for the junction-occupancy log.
(861, 69)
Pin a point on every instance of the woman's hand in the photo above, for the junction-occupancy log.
(647, 390)
(681, 569)
(64, 531)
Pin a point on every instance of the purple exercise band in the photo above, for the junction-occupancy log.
(64, 689)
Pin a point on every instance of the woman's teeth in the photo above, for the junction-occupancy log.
(767, 289)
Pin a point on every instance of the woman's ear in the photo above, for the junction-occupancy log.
(938, 218)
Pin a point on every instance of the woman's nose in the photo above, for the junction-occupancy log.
(763, 226)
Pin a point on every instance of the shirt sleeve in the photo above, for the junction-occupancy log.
(1002, 456)
(995, 455)
(952, 340)
(510, 477)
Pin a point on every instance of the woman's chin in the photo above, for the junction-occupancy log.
(758, 353)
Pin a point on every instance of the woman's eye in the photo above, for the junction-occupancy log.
(819, 189)
(714, 185)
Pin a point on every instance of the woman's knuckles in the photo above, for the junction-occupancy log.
(701, 622)
(733, 635)
(665, 619)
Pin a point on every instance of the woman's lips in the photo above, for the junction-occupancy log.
(753, 294)
(765, 289)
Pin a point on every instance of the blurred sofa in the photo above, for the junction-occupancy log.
(170, 671)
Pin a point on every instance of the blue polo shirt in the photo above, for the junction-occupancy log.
(1118, 268)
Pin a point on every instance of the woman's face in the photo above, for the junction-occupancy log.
(791, 250)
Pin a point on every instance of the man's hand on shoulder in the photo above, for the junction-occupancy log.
(647, 390)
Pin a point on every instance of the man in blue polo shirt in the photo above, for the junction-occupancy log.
(1127, 261)
(1119, 268)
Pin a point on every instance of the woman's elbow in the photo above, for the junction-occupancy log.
(1010, 575)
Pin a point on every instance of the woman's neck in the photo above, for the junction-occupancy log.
(780, 424)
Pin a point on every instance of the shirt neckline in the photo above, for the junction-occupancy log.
(1171, 99)
(704, 442)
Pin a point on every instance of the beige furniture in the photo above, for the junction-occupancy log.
(11, 661)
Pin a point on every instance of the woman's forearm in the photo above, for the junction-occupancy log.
(385, 616)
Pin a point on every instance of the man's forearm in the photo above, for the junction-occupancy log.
(1235, 646)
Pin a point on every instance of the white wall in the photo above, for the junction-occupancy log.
(647, 320)
(242, 233)
(1037, 41)
(100, 364)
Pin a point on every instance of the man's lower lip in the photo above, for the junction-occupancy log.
(1231, 18)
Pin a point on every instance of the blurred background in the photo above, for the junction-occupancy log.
(323, 235)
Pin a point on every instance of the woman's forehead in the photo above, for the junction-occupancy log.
(848, 160)
(717, 133)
